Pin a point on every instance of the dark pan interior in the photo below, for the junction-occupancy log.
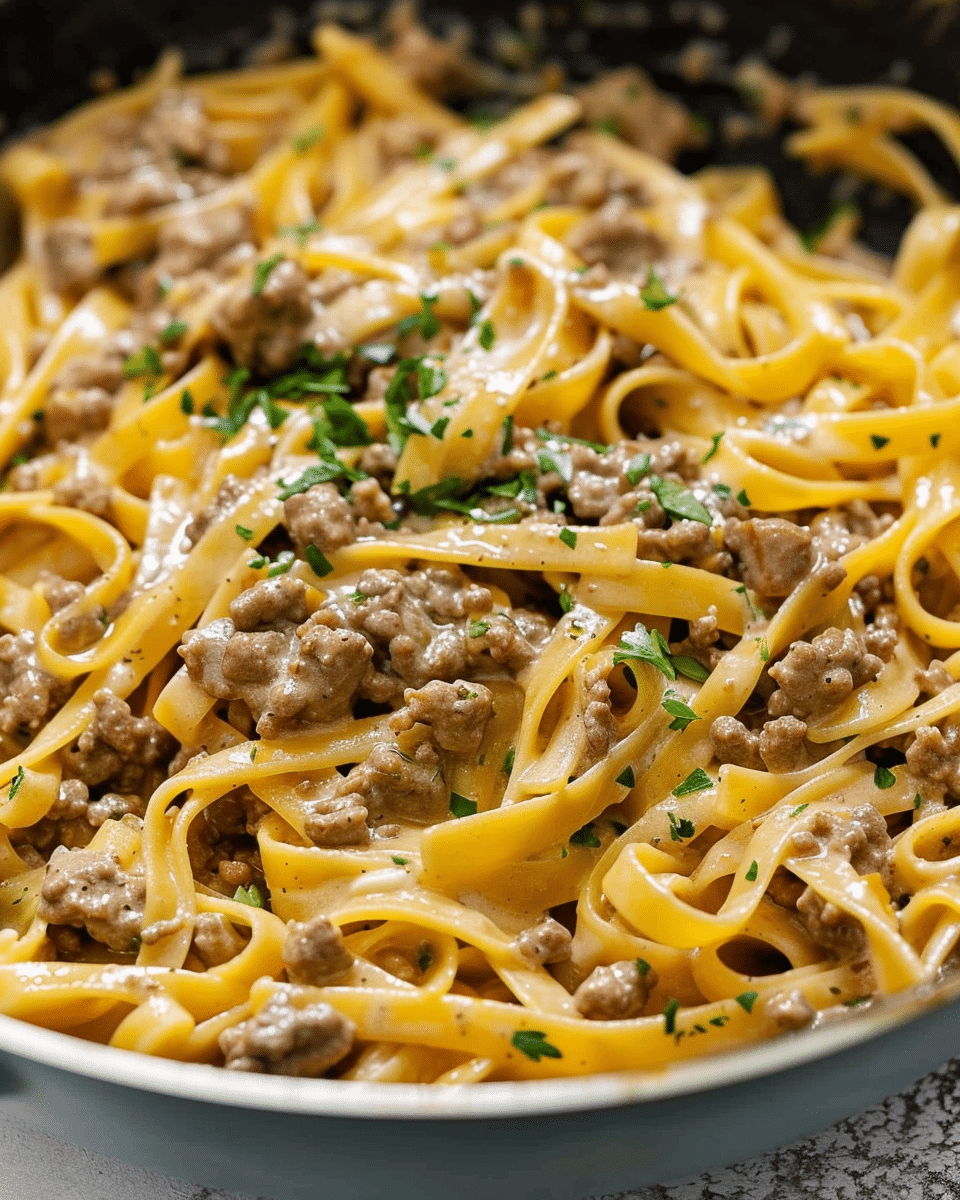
(49, 48)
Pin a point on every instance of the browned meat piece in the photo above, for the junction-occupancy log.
(177, 128)
(546, 942)
(146, 188)
(91, 891)
(228, 495)
(71, 415)
(457, 713)
(379, 459)
(860, 837)
(215, 940)
(265, 326)
(839, 530)
(402, 139)
(222, 845)
(286, 669)
(783, 745)
(817, 676)
(198, 240)
(284, 1039)
(440, 66)
(67, 256)
(789, 1010)
(934, 758)
(86, 489)
(320, 517)
(775, 555)
(314, 953)
(372, 506)
(881, 637)
(81, 629)
(132, 752)
(615, 993)
(578, 176)
(684, 542)
(935, 679)
(627, 100)
(734, 743)
(337, 820)
(618, 239)
(28, 693)
(390, 783)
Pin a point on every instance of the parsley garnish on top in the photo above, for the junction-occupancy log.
(533, 1043)
(654, 293)
(261, 273)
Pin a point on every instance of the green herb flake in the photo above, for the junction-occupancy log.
(643, 967)
(250, 896)
(16, 783)
(439, 427)
(261, 273)
(425, 321)
(467, 433)
(670, 1017)
(173, 332)
(626, 778)
(714, 447)
(636, 468)
(324, 472)
(878, 441)
(566, 599)
(697, 781)
(460, 806)
(799, 809)
(654, 294)
(243, 532)
(399, 860)
(681, 828)
(533, 1043)
(186, 403)
(683, 715)
(720, 1020)
(585, 837)
(645, 645)
(916, 800)
(764, 647)
(477, 629)
(751, 874)
(282, 565)
(253, 753)
(746, 1000)
(316, 561)
(743, 498)
(857, 1000)
(678, 501)
(569, 538)
(884, 778)
(300, 232)
(508, 760)
(935, 439)
(425, 959)
(506, 444)
(145, 363)
(308, 139)
(487, 335)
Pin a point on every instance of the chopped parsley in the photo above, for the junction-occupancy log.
(506, 444)
(743, 498)
(324, 472)
(670, 1017)
(678, 501)
(243, 532)
(916, 800)
(585, 837)
(935, 440)
(878, 441)
(318, 564)
(186, 402)
(884, 778)
(399, 860)
(425, 958)
(250, 895)
(566, 599)
(508, 760)
(764, 647)
(681, 828)
(478, 628)
(460, 806)
(533, 1043)
(174, 331)
(683, 715)
(146, 363)
(16, 783)
(714, 447)
(569, 538)
(654, 294)
(308, 139)
(547, 435)
(799, 809)
(425, 321)
(439, 427)
(751, 873)
(340, 424)
(487, 335)
(697, 781)
(626, 778)
(746, 1000)
(643, 967)
(300, 232)
(645, 645)
(722, 490)
(261, 272)
(637, 467)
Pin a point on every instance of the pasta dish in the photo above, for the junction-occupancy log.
(478, 603)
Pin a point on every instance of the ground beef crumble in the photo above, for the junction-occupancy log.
(287, 1039)
(90, 890)
(616, 992)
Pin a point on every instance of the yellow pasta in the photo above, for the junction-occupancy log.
(478, 603)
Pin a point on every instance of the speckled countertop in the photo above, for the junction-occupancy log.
(907, 1148)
